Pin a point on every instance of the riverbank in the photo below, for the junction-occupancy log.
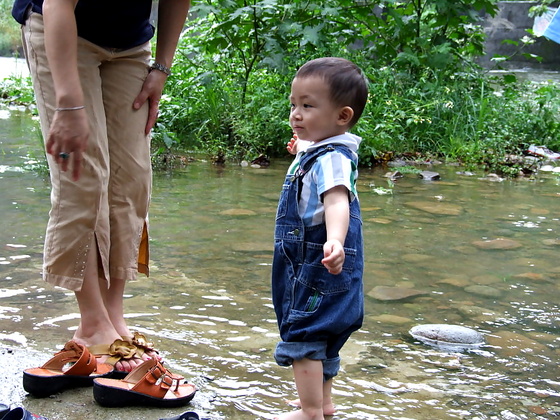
(10, 66)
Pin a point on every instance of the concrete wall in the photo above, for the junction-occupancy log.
(511, 23)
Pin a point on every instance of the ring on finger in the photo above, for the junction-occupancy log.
(64, 155)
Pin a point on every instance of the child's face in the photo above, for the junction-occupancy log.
(313, 115)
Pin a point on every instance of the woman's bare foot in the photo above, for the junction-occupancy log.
(328, 409)
(103, 352)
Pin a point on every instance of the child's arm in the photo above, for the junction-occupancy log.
(337, 218)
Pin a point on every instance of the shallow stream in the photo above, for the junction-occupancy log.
(476, 252)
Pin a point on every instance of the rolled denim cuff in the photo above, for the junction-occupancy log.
(287, 352)
(331, 368)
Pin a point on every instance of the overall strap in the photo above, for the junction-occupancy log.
(308, 160)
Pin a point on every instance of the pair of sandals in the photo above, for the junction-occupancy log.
(20, 413)
(149, 384)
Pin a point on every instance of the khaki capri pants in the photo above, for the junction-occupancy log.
(107, 208)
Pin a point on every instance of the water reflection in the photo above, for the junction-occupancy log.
(474, 252)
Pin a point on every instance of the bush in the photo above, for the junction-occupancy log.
(10, 35)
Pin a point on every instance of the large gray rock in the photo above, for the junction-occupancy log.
(447, 337)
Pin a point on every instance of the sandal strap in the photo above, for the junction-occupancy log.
(83, 362)
(141, 341)
(117, 350)
(152, 378)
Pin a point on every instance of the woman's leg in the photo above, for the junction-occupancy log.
(98, 307)
(95, 323)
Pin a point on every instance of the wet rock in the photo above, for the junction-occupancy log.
(392, 319)
(393, 175)
(499, 243)
(447, 337)
(547, 168)
(492, 178)
(436, 207)
(530, 277)
(387, 390)
(512, 344)
(477, 312)
(260, 162)
(429, 175)
(394, 293)
(482, 290)
(416, 258)
(486, 279)
(238, 212)
(380, 220)
(456, 282)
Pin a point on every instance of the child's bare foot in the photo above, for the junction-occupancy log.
(328, 409)
(300, 415)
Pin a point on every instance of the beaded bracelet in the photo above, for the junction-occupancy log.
(161, 67)
(72, 108)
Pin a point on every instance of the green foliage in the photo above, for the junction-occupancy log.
(10, 35)
(17, 90)
(238, 57)
(228, 95)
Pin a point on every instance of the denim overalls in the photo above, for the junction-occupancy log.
(316, 311)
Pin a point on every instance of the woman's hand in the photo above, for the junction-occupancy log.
(67, 139)
(151, 92)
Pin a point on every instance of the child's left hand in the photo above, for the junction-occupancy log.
(292, 146)
(334, 256)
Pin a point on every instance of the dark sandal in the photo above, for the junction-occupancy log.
(187, 415)
(20, 413)
(52, 377)
(150, 384)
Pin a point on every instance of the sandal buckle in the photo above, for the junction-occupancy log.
(167, 381)
(163, 376)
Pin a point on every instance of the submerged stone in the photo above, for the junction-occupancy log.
(429, 175)
(394, 293)
(238, 212)
(436, 207)
(551, 242)
(499, 243)
(447, 337)
(483, 290)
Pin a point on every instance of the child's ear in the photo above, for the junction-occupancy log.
(345, 115)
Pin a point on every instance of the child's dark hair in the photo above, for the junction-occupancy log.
(347, 83)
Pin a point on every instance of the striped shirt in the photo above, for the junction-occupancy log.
(330, 170)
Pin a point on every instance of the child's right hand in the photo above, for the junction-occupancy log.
(334, 256)
(292, 145)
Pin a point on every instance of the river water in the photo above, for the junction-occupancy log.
(466, 250)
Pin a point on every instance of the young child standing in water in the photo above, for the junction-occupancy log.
(317, 268)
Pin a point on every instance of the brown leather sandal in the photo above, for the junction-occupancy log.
(72, 367)
(150, 384)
